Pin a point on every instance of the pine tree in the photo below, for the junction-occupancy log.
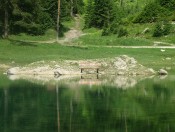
(103, 13)
(4, 14)
(89, 15)
(170, 4)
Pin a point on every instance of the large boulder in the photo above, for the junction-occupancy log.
(125, 65)
(162, 72)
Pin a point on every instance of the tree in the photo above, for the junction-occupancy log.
(101, 13)
(89, 14)
(170, 4)
(4, 23)
(6, 19)
(150, 14)
(58, 19)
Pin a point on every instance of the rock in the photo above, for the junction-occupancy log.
(151, 71)
(146, 30)
(162, 72)
(168, 58)
(120, 64)
(125, 65)
(162, 50)
(13, 71)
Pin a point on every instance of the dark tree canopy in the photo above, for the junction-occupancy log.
(34, 16)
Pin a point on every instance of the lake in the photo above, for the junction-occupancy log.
(87, 104)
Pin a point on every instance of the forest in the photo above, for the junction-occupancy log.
(35, 17)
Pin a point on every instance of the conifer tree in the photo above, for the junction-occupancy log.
(170, 4)
(103, 13)
(89, 14)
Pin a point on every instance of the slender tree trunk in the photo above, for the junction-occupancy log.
(6, 20)
(72, 7)
(121, 3)
(5, 108)
(58, 20)
(58, 111)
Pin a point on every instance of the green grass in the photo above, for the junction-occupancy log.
(25, 53)
(49, 35)
(97, 39)
(136, 37)
(69, 24)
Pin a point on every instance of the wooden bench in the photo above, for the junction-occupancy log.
(87, 65)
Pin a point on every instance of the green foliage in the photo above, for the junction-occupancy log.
(115, 28)
(1, 28)
(167, 28)
(169, 4)
(46, 21)
(89, 15)
(78, 6)
(100, 14)
(34, 17)
(161, 29)
(158, 30)
(106, 31)
(122, 32)
(151, 13)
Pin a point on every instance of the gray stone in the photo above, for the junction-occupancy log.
(146, 30)
(13, 71)
(162, 72)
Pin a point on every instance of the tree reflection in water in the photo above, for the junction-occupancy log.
(52, 107)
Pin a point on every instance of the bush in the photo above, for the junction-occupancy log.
(167, 28)
(122, 32)
(106, 32)
(45, 22)
(162, 28)
(1, 29)
(158, 30)
(152, 13)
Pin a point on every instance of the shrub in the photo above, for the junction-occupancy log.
(162, 28)
(106, 32)
(158, 30)
(167, 28)
(152, 13)
(122, 32)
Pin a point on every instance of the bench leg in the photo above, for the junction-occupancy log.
(81, 70)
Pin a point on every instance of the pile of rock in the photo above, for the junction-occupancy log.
(125, 65)
(122, 65)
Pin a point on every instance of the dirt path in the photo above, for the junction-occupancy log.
(74, 33)
(137, 47)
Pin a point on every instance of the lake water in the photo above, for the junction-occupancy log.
(83, 104)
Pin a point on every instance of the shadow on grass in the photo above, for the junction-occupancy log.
(22, 43)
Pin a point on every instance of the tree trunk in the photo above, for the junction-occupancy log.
(71, 10)
(121, 3)
(57, 103)
(6, 20)
(58, 20)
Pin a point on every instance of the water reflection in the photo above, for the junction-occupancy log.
(65, 106)
(123, 82)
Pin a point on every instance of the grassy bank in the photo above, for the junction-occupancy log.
(136, 36)
(20, 53)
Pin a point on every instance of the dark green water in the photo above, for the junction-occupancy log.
(147, 106)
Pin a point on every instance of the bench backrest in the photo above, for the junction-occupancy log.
(89, 65)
